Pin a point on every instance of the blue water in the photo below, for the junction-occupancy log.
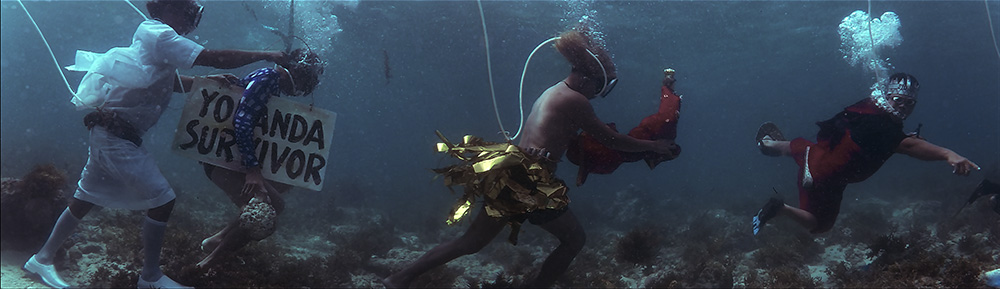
(739, 64)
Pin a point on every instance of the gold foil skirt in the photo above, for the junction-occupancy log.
(510, 181)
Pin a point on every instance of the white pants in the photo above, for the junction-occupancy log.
(121, 175)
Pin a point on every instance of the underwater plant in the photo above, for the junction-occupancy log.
(864, 221)
(30, 206)
(773, 256)
(500, 281)
(440, 277)
(787, 277)
(887, 248)
(639, 246)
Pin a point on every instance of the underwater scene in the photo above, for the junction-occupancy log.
(411, 156)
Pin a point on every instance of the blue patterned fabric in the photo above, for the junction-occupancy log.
(260, 86)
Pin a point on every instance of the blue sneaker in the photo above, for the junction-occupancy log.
(46, 272)
(766, 213)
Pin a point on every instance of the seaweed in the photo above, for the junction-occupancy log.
(108, 277)
(962, 273)
(29, 207)
(774, 255)
(594, 267)
(865, 222)
(669, 280)
(500, 281)
(842, 275)
(639, 246)
(440, 277)
(260, 264)
(887, 245)
(711, 274)
(122, 235)
(44, 181)
(786, 277)
(914, 260)
(968, 244)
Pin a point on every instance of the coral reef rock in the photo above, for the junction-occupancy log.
(30, 206)
(258, 218)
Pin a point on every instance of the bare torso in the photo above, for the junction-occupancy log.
(551, 124)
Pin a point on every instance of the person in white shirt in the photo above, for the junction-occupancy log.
(130, 87)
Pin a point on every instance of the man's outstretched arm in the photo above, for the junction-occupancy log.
(229, 59)
(924, 150)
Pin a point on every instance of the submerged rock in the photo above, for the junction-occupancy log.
(258, 218)
(30, 206)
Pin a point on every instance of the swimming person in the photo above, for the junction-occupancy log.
(250, 191)
(850, 147)
(526, 188)
(133, 86)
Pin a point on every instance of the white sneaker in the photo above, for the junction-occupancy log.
(46, 272)
(992, 278)
(163, 282)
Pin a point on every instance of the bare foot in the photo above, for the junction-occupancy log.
(209, 244)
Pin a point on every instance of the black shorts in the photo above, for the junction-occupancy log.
(540, 217)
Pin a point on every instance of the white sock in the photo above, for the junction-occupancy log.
(63, 229)
(152, 242)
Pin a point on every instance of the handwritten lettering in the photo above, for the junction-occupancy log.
(208, 98)
(290, 139)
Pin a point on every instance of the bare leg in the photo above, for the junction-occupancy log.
(482, 230)
(571, 239)
(805, 219)
(233, 238)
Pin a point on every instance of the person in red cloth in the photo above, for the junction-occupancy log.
(594, 157)
(849, 148)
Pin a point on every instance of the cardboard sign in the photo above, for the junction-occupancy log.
(291, 141)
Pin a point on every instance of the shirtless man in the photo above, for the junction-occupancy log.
(556, 117)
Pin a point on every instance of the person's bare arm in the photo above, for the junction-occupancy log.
(185, 82)
(229, 59)
(590, 123)
(924, 150)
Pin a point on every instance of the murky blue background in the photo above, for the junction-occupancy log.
(739, 64)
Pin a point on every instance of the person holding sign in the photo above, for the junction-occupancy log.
(259, 199)
(130, 87)
(524, 186)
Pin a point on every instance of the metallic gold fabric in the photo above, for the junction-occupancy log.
(510, 181)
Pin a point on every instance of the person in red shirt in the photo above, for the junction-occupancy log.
(849, 148)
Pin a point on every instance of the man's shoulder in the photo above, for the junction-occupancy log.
(154, 27)
(558, 97)
(154, 30)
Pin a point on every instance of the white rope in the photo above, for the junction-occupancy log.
(47, 46)
(520, 91)
(137, 10)
(992, 33)
(871, 36)
(489, 70)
